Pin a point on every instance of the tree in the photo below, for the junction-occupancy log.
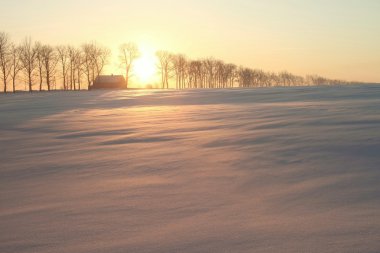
(75, 61)
(209, 65)
(28, 60)
(49, 62)
(63, 58)
(40, 65)
(79, 67)
(100, 58)
(71, 52)
(16, 66)
(88, 62)
(231, 75)
(246, 77)
(128, 53)
(93, 59)
(164, 59)
(179, 63)
(4, 58)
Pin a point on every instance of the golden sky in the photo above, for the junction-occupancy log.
(335, 38)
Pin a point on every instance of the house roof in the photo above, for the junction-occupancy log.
(109, 79)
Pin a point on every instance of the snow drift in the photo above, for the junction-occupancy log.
(261, 170)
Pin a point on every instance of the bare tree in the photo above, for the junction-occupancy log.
(49, 62)
(4, 58)
(176, 68)
(179, 63)
(40, 65)
(63, 60)
(16, 65)
(79, 66)
(88, 63)
(192, 74)
(28, 60)
(100, 58)
(210, 72)
(199, 74)
(93, 59)
(71, 52)
(128, 53)
(164, 58)
(231, 74)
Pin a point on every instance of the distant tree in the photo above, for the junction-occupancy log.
(76, 61)
(210, 70)
(79, 67)
(71, 53)
(164, 59)
(92, 61)
(28, 60)
(15, 62)
(319, 80)
(179, 63)
(274, 80)
(63, 60)
(128, 53)
(234, 75)
(100, 56)
(219, 73)
(246, 77)
(50, 60)
(192, 74)
(5, 58)
(176, 69)
(196, 69)
(40, 64)
(88, 63)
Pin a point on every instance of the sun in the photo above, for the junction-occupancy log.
(145, 67)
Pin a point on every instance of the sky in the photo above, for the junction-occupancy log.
(333, 38)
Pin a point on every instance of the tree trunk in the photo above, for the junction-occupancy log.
(78, 79)
(30, 82)
(41, 80)
(64, 79)
(48, 80)
(14, 84)
(5, 84)
(88, 81)
(126, 77)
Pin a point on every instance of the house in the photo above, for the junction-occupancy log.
(109, 82)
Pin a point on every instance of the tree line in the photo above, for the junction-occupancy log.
(213, 73)
(41, 65)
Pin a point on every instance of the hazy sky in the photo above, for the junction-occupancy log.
(335, 38)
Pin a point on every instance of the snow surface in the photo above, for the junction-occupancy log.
(260, 170)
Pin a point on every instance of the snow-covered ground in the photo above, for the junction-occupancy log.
(261, 170)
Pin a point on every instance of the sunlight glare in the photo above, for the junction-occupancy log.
(145, 66)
